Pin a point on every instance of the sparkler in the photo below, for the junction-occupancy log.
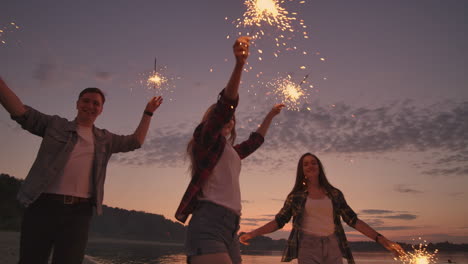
(262, 15)
(158, 80)
(293, 95)
(419, 256)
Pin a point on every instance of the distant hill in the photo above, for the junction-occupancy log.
(135, 225)
(125, 224)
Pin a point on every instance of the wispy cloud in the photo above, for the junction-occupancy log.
(339, 129)
(401, 216)
(376, 211)
(375, 214)
(406, 189)
(53, 71)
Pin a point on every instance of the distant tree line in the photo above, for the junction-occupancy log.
(129, 224)
(114, 223)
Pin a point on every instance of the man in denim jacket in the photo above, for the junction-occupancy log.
(67, 178)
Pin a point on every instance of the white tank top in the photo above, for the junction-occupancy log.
(223, 186)
(318, 217)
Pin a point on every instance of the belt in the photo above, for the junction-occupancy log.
(65, 199)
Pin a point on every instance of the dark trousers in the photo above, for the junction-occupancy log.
(51, 224)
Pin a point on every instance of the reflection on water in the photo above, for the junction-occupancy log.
(153, 253)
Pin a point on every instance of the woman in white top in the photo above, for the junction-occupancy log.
(316, 206)
(213, 195)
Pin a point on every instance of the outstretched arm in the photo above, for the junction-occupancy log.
(262, 130)
(241, 52)
(269, 227)
(142, 128)
(368, 231)
(10, 101)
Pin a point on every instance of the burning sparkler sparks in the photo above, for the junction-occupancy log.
(158, 81)
(293, 95)
(419, 256)
(264, 17)
(10, 27)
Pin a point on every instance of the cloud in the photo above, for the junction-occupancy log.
(376, 211)
(339, 129)
(277, 200)
(166, 148)
(45, 72)
(375, 214)
(53, 71)
(103, 76)
(405, 189)
(401, 216)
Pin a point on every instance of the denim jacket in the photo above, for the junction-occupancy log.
(59, 137)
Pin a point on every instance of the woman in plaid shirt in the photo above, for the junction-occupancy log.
(213, 195)
(316, 206)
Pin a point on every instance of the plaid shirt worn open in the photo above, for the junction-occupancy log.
(294, 207)
(208, 148)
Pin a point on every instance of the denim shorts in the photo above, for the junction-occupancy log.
(213, 229)
(319, 249)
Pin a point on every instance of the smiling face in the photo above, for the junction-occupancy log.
(310, 168)
(89, 107)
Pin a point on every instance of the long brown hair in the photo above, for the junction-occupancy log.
(300, 177)
(190, 146)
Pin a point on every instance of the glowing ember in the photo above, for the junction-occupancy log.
(419, 256)
(157, 80)
(10, 27)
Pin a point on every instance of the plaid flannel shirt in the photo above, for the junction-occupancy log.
(294, 207)
(208, 148)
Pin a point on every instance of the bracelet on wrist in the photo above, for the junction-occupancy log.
(148, 113)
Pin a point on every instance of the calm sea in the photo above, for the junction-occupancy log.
(117, 252)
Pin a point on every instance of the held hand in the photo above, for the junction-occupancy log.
(276, 109)
(241, 49)
(245, 237)
(153, 104)
(395, 248)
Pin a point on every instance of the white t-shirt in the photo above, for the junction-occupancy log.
(223, 186)
(318, 217)
(76, 177)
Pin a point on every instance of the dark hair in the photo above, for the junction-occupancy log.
(190, 146)
(93, 90)
(300, 178)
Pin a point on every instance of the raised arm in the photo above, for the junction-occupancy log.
(368, 231)
(241, 52)
(262, 130)
(145, 121)
(10, 101)
(269, 227)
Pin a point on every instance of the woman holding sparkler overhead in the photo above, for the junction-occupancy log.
(316, 206)
(213, 195)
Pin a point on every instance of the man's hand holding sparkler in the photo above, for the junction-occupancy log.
(241, 49)
(153, 104)
(142, 128)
